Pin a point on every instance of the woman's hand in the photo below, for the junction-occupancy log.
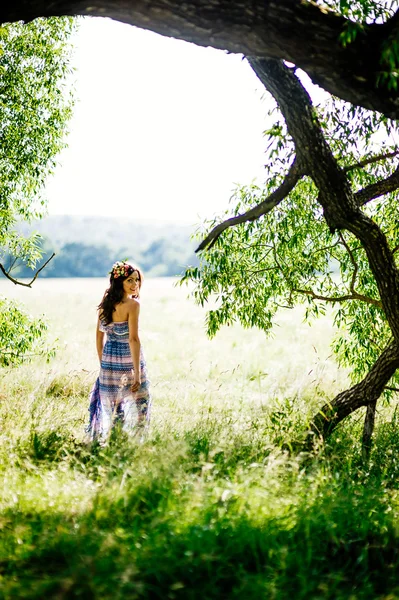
(136, 384)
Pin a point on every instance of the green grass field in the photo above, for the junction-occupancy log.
(211, 504)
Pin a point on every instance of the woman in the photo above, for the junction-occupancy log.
(121, 392)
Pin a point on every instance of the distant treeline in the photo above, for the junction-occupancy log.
(88, 246)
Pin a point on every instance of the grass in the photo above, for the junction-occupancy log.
(211, 504)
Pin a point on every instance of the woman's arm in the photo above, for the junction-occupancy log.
(134, 342)
(99, 341)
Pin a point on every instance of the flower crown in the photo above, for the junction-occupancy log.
(121, 269)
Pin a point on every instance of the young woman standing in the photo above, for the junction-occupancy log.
(121, 392)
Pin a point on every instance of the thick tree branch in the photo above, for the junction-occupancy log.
(312, 150)
(293, 176)
(17, 282)
(364, 393)
(298, 31)
(375, 190)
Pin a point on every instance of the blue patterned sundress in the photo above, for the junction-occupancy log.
(111, 399)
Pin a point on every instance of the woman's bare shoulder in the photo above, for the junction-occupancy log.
(133, 304)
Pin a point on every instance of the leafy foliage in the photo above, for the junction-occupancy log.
(21, 335)
(290, 256)
(35, 106)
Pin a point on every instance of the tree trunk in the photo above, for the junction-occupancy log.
(298, 31)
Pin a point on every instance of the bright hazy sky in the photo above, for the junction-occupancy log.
(162, 129)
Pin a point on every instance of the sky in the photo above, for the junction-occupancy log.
(162, 129)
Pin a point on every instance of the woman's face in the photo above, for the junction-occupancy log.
(131, 284)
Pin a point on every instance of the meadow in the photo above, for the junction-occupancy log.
(212, 504)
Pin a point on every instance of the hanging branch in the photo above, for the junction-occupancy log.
(293, 176)
(17, 282)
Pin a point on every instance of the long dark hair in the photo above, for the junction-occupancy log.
(114, 294)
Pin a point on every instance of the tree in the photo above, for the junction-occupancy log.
(35, 107)
(350, 48)
(328, 201)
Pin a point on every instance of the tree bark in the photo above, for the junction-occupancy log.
(297, 31)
